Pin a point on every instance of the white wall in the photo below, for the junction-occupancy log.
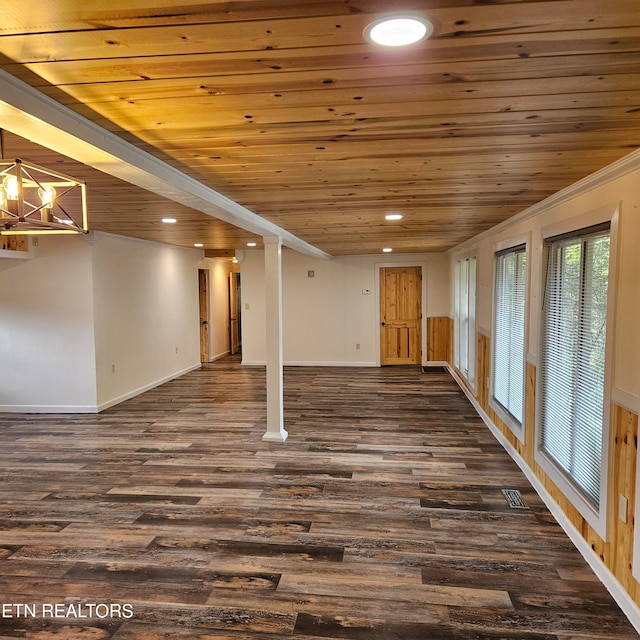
(327, 315)
(90, 321)
(46, 328)
(254, 340)
(146, 315)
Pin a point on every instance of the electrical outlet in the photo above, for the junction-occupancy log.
(357, 345)
(113, 368)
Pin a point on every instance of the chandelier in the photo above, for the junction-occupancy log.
(35, 200)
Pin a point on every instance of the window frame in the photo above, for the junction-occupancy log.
(595, 515)
(517, 427)
(468, 373)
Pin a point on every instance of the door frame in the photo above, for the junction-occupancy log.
(204, 296)
(423, 303)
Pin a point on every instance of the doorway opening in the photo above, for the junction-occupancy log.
(235, 313)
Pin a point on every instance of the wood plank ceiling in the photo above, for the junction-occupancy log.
(283, 106)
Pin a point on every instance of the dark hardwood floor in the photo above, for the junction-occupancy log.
(382, 517)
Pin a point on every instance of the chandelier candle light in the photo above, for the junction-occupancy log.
(35, 200)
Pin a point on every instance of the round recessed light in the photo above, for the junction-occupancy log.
(252, 244)
(169, 220)
(198, 244)
(393, 216)
(387, 250)
(398, 30)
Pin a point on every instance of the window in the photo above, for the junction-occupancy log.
(572, 391)
(465, 318)
(508, 356)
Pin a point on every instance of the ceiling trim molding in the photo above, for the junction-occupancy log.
(617, 169)
(40, 119)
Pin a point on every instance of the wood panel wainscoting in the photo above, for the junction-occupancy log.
(14, 243)
(617, 552)
(440, 339)
(381, 518)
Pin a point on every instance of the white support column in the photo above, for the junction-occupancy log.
(273, 291)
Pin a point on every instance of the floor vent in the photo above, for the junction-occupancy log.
(513, 497)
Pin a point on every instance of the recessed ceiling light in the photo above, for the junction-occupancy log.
(398, 30)
(393, 216)
(169, 220)
(198, 244)
(387, 250)
(252, 244)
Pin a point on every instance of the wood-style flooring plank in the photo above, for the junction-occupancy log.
(382, 517)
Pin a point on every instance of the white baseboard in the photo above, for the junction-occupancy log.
(220, 355)
(46, 408)
(295, 363)
(147, 387)
(617, 591)
(306, 363)
(64, 408)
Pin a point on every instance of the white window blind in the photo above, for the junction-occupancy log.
(508, 331)
(465, 318)
(573, 357)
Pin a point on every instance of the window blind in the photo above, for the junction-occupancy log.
(573, 357)
(508, 331)
(465, 318)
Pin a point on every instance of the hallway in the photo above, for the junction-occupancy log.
(382, 517)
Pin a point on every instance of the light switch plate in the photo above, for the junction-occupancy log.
(623, 506)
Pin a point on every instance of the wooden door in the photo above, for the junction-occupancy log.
(400, 315)
(203, 292)
(234, 314)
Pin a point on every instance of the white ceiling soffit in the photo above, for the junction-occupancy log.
(36, 117)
